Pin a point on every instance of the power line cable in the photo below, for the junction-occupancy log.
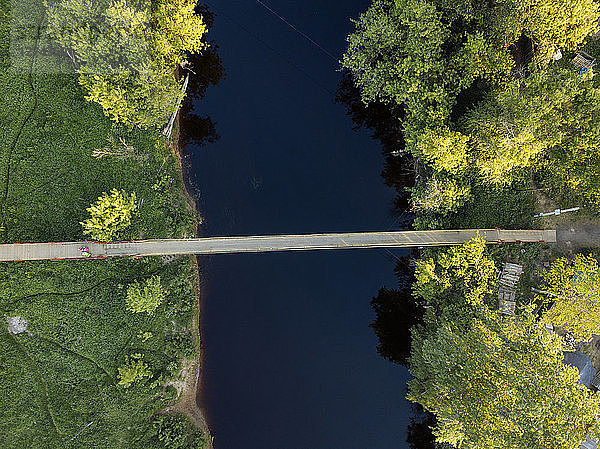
(291, 63)
(283, 19)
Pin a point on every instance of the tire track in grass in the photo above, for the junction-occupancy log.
(35, 295)
(125, 279)
(17, 136)
(40, 380)
(76, 354)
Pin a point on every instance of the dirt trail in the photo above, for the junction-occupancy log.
(574, 230)
(585, 233)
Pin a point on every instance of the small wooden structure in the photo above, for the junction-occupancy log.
(584, 61)
(589, 443)
(506, 290)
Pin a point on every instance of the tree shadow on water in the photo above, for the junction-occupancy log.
(396, 310)
(205, 70)
(384, 121)
(396, 313)
(419, 435)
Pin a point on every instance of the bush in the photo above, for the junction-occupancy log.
(174, 433)
(110, 215)
(145, 297)
(134, 369)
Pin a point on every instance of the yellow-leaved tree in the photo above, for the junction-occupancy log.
(110, 215)
(574, 290)
(499, 382)
(491, 381)
(133, 370)
(128, 51)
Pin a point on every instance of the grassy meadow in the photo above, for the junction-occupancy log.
(59, 379)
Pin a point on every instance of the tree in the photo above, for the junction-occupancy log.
(554, 24)
(574, 288)
(443, 149)
(171, 431)
(460, 277)
(574, 162)
(110, 215)
(133, 370)
(516, 128)
(499, 382)
(551, 24)
(439, 193)
(127, 52)
(422, 54)
(395, 56)
(175, 432)
(146, 297)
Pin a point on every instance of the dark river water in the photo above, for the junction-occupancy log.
(290, 360)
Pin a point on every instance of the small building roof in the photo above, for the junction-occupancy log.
(583, 363)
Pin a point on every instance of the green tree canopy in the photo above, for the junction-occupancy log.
(497, 382)
(574, 288)
(145, 297)
(439, 194)
(110, 215)
(551, 24)
(444, 150)
(574, 162)
(422, 53)
(133, 370)
(127, 52)
(459, 277)
(518, 127)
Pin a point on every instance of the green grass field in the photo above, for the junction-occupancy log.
(61, 374)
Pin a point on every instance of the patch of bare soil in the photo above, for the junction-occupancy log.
(574, 230)
(186, 394)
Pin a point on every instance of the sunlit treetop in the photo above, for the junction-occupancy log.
(499, 382)
(574, 288)
(423, 53)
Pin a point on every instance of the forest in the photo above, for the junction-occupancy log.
(495, 105)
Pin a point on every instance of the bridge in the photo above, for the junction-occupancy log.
(264, 243)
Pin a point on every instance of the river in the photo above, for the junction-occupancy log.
(290, 360)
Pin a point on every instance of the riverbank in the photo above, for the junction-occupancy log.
(190, 378)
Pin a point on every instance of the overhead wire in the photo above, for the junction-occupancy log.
(385, 251)
(291, 63)
(284, 20)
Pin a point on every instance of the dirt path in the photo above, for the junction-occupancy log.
(585, 233)
(574, 230)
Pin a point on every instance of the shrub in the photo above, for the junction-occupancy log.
(110, 215)
(134, 369)
(145, 297)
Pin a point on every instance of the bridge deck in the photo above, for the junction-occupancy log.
(221, 245)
